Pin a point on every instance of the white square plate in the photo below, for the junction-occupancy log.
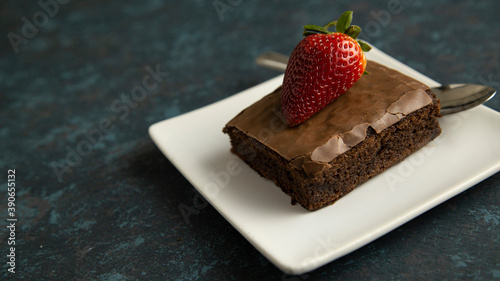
(297, 240)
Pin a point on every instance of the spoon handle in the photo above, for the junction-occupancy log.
(273, 60)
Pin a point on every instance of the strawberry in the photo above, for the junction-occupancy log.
(323, 66)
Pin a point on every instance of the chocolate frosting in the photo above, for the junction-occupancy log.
(377, 100)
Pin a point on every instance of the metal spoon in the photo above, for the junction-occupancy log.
(454, 97)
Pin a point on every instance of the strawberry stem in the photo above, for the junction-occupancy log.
(342, 25)
(353, 31)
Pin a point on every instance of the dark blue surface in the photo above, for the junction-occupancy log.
(96, 200)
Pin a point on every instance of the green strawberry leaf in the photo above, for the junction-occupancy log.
(365, 47)
(353, 31)
(307, 33)
(330, 24)
(344, 22)
(311, 29)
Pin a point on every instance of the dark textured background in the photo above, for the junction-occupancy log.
(115, 215)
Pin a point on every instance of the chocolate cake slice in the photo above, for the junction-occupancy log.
(382, 119)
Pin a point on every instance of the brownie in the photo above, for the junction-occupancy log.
(381, 120)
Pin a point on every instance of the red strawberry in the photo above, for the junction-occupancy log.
(323, 66)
